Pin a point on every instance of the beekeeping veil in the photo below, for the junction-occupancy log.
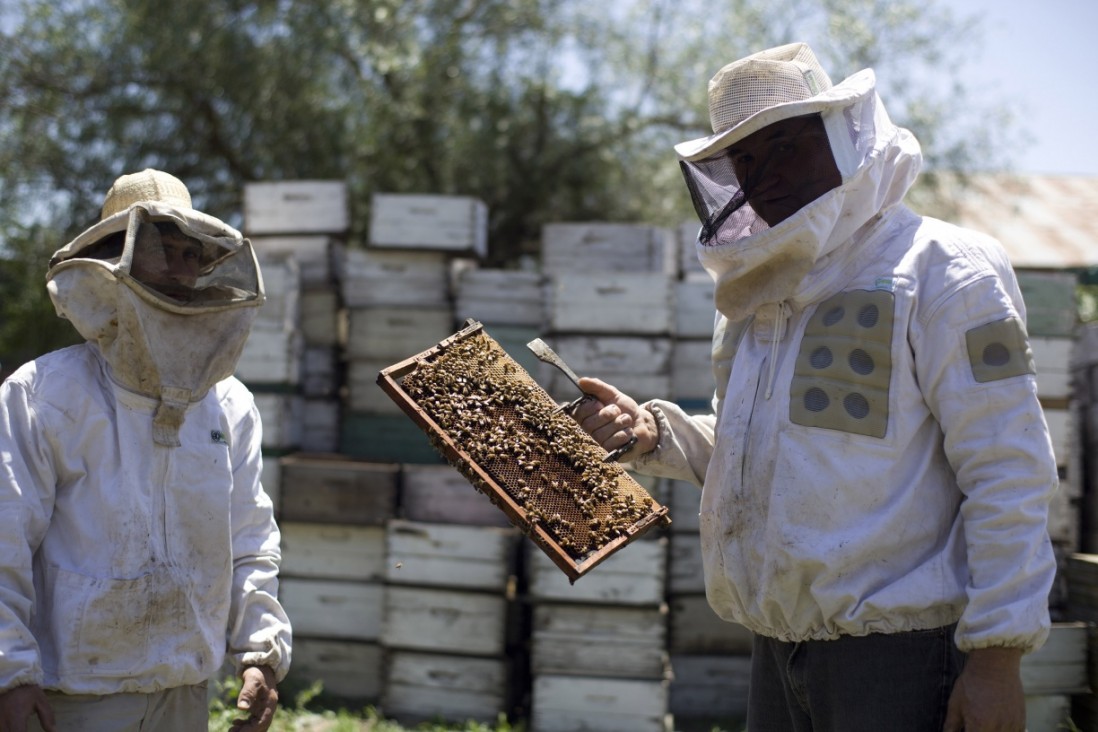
(166, 292)
(752, 262)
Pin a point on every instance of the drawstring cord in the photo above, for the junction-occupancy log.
(779, 322)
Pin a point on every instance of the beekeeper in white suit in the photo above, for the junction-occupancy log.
(137, 546)
(877, 470)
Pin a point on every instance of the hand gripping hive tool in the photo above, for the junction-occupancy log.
(544, 353)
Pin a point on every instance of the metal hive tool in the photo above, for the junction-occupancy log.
(491, 421)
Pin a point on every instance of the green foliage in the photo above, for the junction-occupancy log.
(302, 713)
(547, 111)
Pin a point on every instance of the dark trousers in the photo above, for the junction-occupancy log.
(896, 683)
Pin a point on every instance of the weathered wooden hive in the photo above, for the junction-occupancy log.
(491, 421)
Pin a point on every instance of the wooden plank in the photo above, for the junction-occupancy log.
(1050, 713)
(685, 573)
(394, 333)
(449, 555)
(426, 686)
(374, 278)
(295, 207)
(614, 354)
(633, 576)
(320, 375)
(363, 393)
(313, 254)
(1058, 667)
(283, 416)
(320, 316)
(385, 438)
(281, 310)
(347, 670)
(500, 297)
(609, 303)
(270, 476)
(1053, 359)
(320, 425)
(684, 500)
(336, 490)
(599, 640)
(333, 551)
(599, 704)
(455, 224)
(692, 370)
(695, 628)
(440, 494)
(333, 608)
(687, 238)
(444, 620)
(709, 686)
(1059, 430)
(271, 357)
(1050, 302)
(583, 247)
(694, 310)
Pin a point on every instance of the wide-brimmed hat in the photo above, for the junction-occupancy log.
(148, 185)
(767, 87)
(164, 198)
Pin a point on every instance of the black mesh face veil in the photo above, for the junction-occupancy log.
(788, 164)
(719, 198)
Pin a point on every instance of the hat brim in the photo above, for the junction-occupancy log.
(227, 237)
(841, 95)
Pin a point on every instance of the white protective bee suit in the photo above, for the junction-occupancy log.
(138, 544)
(877, 460)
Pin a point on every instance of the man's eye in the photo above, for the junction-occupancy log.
(192, 254)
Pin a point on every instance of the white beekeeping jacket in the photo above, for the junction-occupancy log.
(877, 460)
(128, 565)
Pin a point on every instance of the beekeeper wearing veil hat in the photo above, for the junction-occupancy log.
(876, 470)
(138, 546)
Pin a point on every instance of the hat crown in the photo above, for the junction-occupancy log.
(148, 185)
(762, 80)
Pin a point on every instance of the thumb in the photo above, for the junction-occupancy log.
(249, 691)
(599, 389)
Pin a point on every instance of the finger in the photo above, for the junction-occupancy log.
(249, 692)
(45, 716)
(259, 721)
(599, 389)
(615, 432)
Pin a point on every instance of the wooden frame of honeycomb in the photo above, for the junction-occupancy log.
(492, 422)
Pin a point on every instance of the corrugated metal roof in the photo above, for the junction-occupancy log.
(1044, 221)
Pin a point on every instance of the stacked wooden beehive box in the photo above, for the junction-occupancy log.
(333, 516)
(609, 305)
(598, 653)
(1052, 320)
(399, 302)
(292, 358)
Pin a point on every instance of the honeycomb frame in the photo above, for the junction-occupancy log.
(507, 436)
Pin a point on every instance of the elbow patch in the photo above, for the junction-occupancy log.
(999, 350)
(844, 367)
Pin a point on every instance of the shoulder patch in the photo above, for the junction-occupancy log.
(218, 437)
(999, 350)
(844, 366)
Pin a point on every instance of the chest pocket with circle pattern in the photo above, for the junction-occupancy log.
(844, 366)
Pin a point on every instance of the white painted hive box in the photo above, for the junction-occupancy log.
(457, 224)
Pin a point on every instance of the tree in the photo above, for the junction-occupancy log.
(548, 110)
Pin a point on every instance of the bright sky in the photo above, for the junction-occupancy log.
(1045, 53)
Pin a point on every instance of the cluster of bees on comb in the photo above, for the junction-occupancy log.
(516, 433)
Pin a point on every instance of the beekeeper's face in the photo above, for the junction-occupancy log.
(167, 260)
(785, 166)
